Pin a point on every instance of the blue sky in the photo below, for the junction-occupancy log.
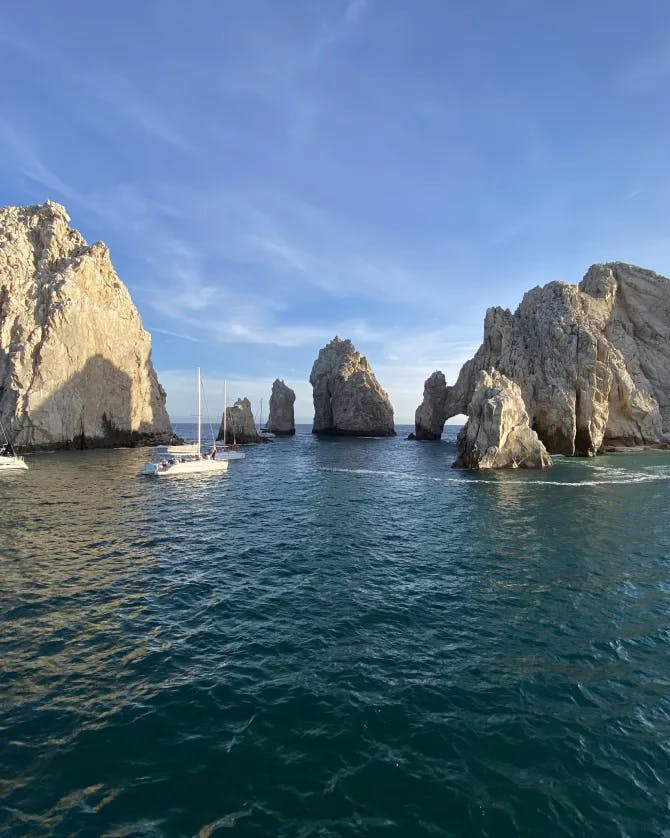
(270, 174)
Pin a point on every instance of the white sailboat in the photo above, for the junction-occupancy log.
(225, 451)
(186, 459)
(9, 459)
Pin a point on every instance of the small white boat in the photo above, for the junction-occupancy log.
(9, 459)
(12, 462)
(186, 459)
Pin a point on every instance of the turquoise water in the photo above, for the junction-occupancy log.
(337, 637)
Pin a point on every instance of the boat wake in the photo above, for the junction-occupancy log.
(609, 477)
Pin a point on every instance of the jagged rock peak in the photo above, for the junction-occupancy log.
(281, 420)
(431, 415)
(240, 424)
(348, 399)
(75, 361)
(591, 360)
(497, 433)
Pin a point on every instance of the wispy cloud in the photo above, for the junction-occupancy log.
(19, 146)
(157, 330)
(333, 31)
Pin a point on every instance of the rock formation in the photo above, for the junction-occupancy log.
(431, 414)
(75, 362)
(347, 397)
(240, 424)
(591, 360)
(497, 433)
(281, 421)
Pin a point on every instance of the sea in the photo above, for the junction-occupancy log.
(337, 637)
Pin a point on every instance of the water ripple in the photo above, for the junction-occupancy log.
(336, 637)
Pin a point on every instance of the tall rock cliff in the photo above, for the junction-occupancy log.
(240, 424)
(497, 433)
(281, 421)
(347, 397)
(75, 362)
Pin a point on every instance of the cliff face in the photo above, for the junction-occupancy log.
(348, 399)
(281, 420)
(592, 360)
(497, 433)
(75, 361)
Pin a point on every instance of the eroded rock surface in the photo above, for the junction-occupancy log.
(348, 399)
(592, 361)
(75, 361)
(240, 423)
(281, 420)
(431, 415)
(497, 433)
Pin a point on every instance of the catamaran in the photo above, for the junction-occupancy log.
(225, 451)
(9, 459)
(186, 459)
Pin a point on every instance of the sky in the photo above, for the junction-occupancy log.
(268, 175)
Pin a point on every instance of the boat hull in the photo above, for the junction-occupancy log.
(189, 467)
(13, 464)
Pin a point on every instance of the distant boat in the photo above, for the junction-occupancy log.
(9, 459)
(223, 450)
(186, 459)
(263, 433)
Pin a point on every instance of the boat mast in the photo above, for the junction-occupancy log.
(199, 409)
(225, 410)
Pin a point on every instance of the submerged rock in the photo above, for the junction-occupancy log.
(75, 362)
(497, 433)
(348, 399)
(240, 424)
(431, 415)
(281, 421)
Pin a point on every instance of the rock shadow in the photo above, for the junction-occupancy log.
(94, 408)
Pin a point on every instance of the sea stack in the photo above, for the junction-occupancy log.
(431, 414)
(75, 361)
(240, 424)
(348, 400)
(281, 421)
(497, 433)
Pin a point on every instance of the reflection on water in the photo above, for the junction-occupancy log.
(335, 636)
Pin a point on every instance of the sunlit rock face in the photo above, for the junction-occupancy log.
(592, 361)
(497, 433)
(348, 399)
(75, 361)
(281, 420)
(240, 424)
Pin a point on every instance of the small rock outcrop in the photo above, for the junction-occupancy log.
(281, 421)
(347, 397)
(75, 361)
(431, 414)
(497, 433)
(240, 424)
